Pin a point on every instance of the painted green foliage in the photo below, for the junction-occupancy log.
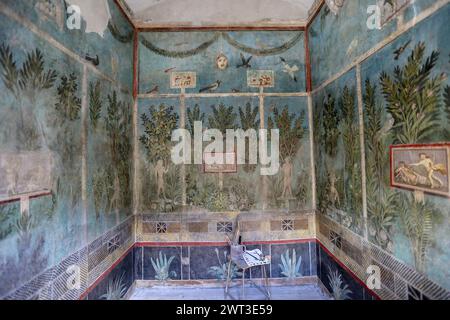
(412, 115)
(412, 97)
(291, 130)
(111, 181)
(337, 135)
(158, 132)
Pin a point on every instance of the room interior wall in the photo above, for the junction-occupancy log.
(364, 102)
(65, 140)
(193, 202)
(110, 246)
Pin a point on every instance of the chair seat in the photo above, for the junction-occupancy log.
(249, 258)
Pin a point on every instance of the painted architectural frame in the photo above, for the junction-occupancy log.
(423, 167)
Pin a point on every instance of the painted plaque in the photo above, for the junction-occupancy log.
(261, 78)
(226, 162)
(180, 80)
(421, 167)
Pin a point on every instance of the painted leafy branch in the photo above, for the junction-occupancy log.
(249, 120)
(447, 104)
(68, 104)
(158, 131)
(248, 117)
(95, 103)
(417, 222)
(220, 272)
(118, 128)
(194, 114)
(330, 126)
(340, 291)
(412, 97)
(31, 75)
(290, 266)
(162, 266)
(290, 128)
(381, 200)
(116, 288)
(350, 138)
(223, 118)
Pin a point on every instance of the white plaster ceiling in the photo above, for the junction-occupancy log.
(219, 12)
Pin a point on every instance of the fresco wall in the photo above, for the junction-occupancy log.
(64, 123)
(233, 104)
(403, 101)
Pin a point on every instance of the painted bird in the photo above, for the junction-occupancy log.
(245, 62)
(399, 51)
(170, 69)
(154, 90)
(289, 70)
(95, 61)
(212, 87)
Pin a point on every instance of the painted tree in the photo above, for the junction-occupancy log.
(381, 199)
(194, 114)
(249, 120)
(118, 127)
(412, 97)
(69, 104)
(223, 118)
(350, 138)
(290, 128)
(95, 103)
(25, 83)
(447, 106)
(330, 126)
(158, 132)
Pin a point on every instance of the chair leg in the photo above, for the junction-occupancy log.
(228, 278)
(243, 284)
(266, 281)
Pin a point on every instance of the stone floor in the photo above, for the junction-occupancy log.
(302, 292)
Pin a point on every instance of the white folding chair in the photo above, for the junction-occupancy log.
(237, 256)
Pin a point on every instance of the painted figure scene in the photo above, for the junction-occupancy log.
(224, 150)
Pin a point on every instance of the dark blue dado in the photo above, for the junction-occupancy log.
(340, 283)
(203, 262)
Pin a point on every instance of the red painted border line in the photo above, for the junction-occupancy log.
(17, 198)
(354, 276)
(315, 14)
(104, 274)
(124, 14)
(219, 28)
(308, 62)
(211, 244)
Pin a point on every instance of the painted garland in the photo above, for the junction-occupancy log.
(116, 33)
(263, 52)
(205, 45)
(180, 54)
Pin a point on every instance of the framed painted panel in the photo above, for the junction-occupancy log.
(422, 167)
(180, 80)
(261, 78)
(219, 162)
